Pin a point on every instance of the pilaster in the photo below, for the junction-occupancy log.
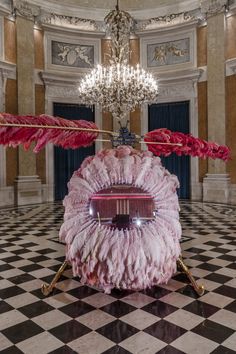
(27, 184)
(216, 184)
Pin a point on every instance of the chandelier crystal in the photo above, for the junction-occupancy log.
(118, 87)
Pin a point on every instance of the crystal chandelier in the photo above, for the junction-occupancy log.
(118, 87)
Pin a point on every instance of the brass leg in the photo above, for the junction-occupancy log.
(198, 288)
(48, 288)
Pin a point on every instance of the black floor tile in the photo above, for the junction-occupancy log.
(170, 350)
(189, 291)
(156, 292)
(5, 307)
(117, 331)
(208, 266)
(35, 309)
(63, 350)
(213, 331)
(231, 266)
(38, 259)
(11, 291)
(22, 278)
(119, 294)
(218, 278)
(159, 308)
(226, 291)
(12, 259)
(30, 268)
(22, 331)
(82, 292)
(118, 308)
(76, 309)
(11, 350)
(69, 331)
(165, 331)
(116, 350)
(223, 350)
(201, 308)
(231, 307)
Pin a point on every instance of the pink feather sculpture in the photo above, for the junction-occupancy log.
(134, 258)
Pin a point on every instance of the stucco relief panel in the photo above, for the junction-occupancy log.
(70, 53)
(172, 51)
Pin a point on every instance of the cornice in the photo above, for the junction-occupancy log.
(176, 76)
(50, 78)
(8, 70)
(26, 9)
(213, 7)
(230, 67)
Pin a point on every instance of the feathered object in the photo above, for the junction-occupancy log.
(45, 129)
(186, 145)
(134, 258)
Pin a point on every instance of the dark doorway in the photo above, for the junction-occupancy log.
(66, 161)
(173, 116)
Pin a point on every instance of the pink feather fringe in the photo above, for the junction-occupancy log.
(190, 145)
(130, 259)
(14, 136)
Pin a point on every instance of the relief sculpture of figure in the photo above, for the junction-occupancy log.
(81, 54)
(177, 51)
(71, 54)
(64, 51)
(160, 54)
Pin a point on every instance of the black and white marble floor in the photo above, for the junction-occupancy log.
(170, 319)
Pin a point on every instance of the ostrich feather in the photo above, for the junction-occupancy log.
(48, 129)
(189, 145)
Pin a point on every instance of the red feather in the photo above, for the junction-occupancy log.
(14, 136)
(189, 145)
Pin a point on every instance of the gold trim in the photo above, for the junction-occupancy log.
(48, 288)
(198, 288)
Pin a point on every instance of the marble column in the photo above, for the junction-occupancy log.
(27, 184)
(216, 184)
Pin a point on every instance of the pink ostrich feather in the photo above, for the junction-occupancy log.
(42, 134)
(188, 145)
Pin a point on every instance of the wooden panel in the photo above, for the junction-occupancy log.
(38, 49)
(10, 40)
(40, 109)
(11, 153)
(202, 124)
(230, 34)
(231, 124)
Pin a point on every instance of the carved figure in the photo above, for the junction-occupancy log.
(81, 54)
(177, 51)
(160, 54)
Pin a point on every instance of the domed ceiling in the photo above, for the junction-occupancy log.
(97, 9)
(124, 4)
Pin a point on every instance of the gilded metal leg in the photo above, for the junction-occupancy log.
(48, 288)
(198, 288)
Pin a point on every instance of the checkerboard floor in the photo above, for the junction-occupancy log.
(169, 319)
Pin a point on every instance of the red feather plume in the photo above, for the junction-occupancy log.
(14, 136)
(188, 145)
